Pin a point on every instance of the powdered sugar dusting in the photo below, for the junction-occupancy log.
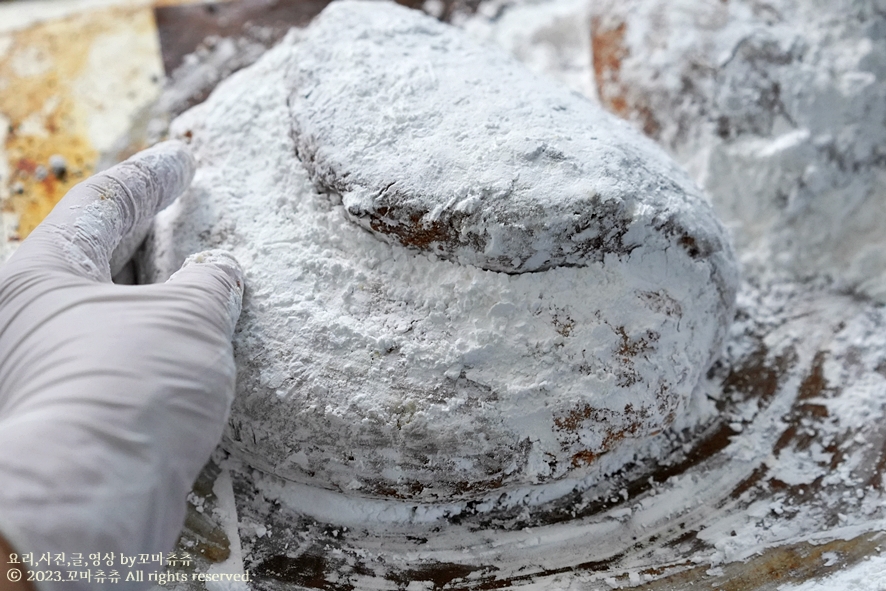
(789, 467)
(376, 369)
(777, 108)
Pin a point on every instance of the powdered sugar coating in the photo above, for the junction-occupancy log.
(778, 109)
(465, 154)
(422, 371)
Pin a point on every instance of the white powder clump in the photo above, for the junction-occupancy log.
(468, 280)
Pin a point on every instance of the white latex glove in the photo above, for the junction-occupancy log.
(112, 397)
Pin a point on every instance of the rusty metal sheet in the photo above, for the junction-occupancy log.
(68, 89)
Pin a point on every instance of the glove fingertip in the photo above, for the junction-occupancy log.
(222, 259)
(198, 265)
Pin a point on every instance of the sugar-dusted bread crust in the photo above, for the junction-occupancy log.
(778, 109)
(460, 278)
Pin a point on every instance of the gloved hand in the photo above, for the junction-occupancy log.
(112, 397)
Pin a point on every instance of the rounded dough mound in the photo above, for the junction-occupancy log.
(460, 277)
